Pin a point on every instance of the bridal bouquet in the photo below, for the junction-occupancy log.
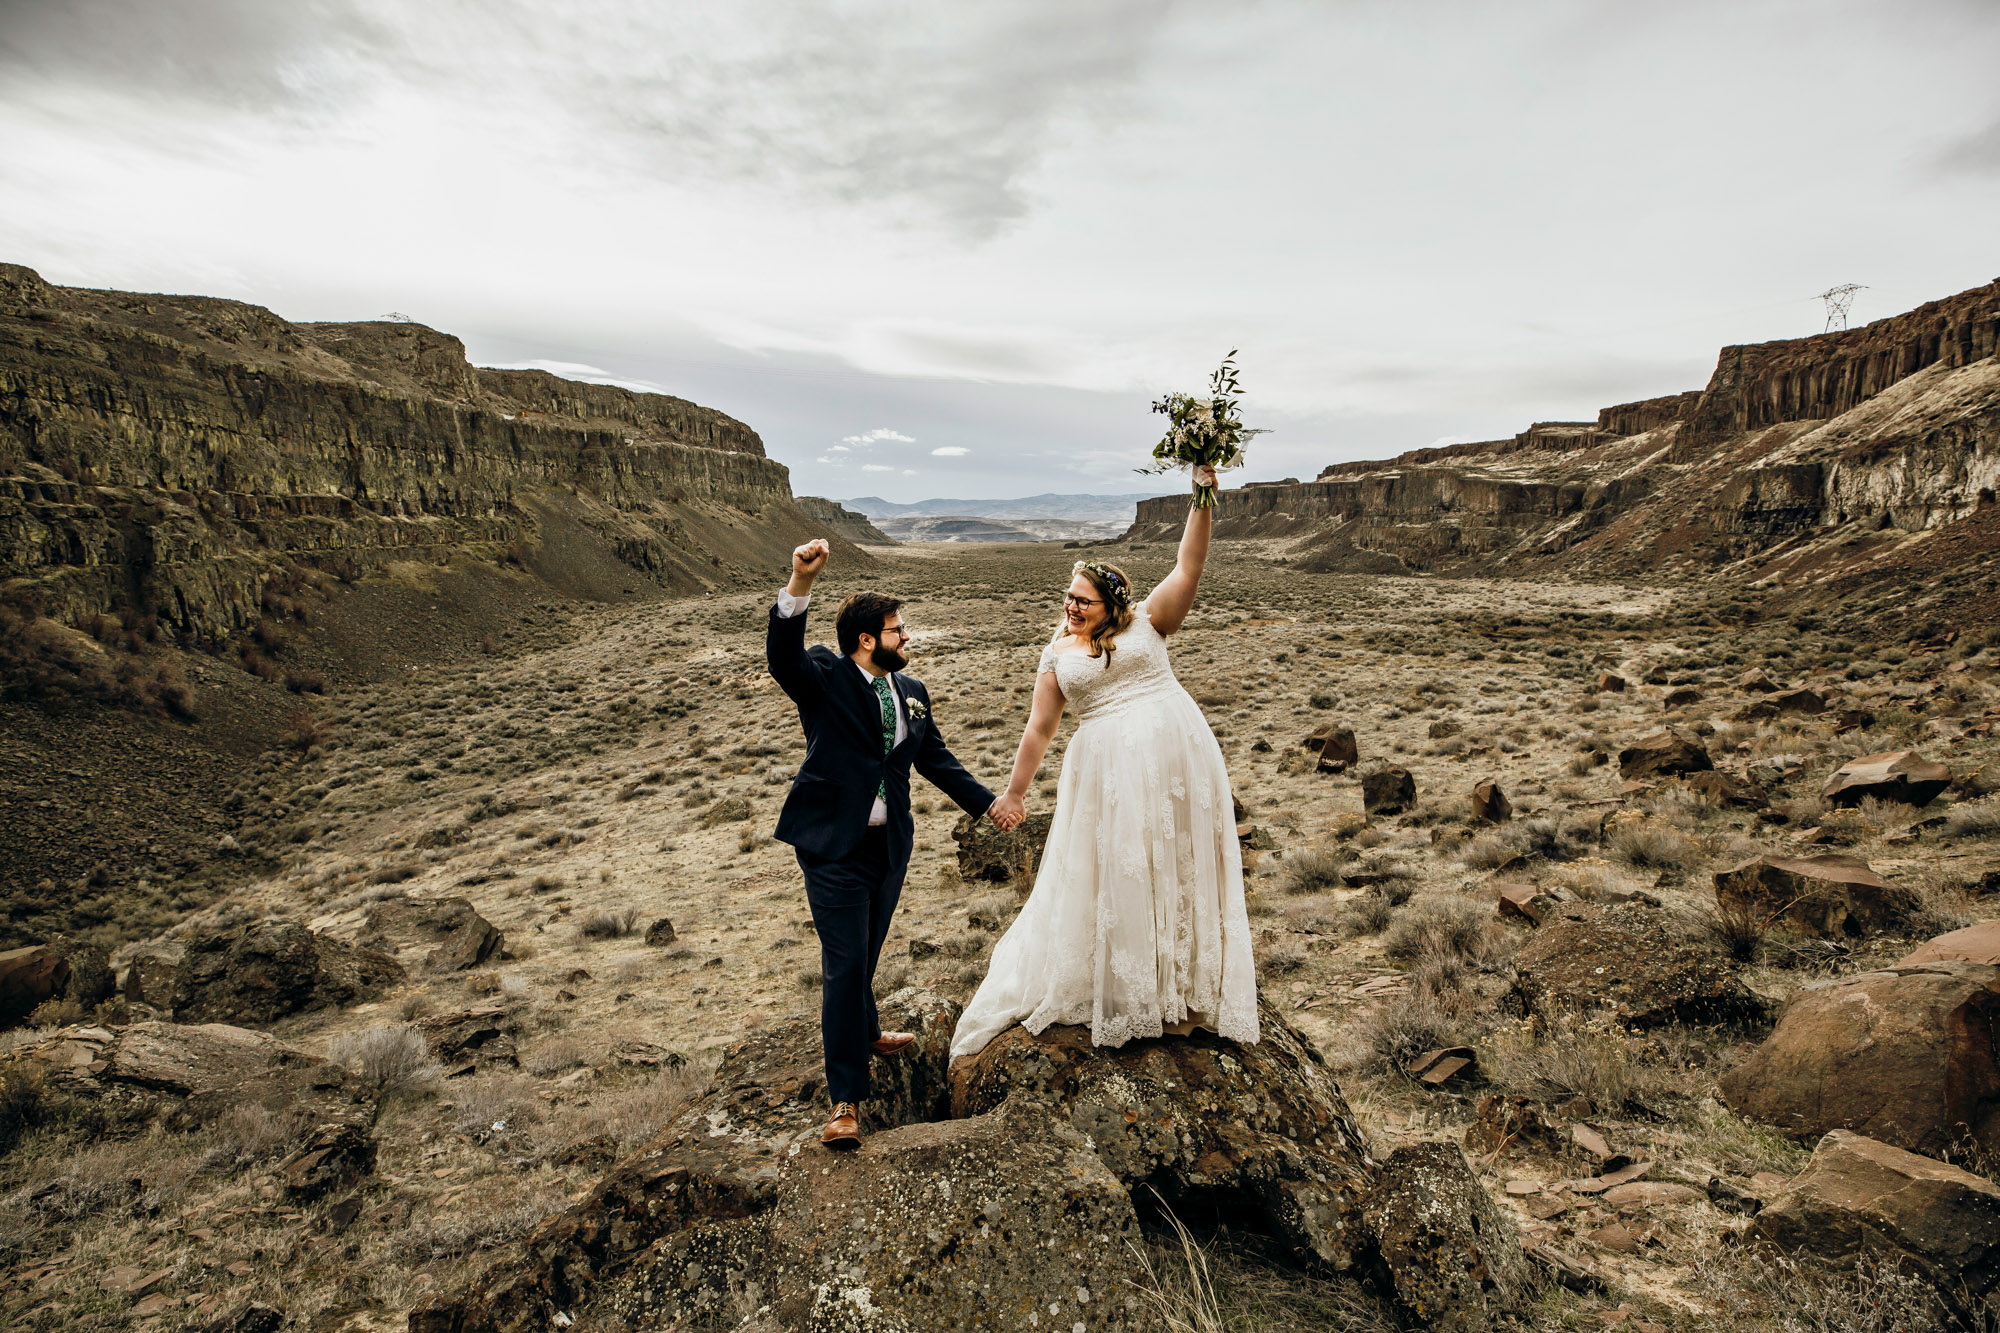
(1204, 432)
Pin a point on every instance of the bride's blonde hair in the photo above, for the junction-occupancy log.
(1116, 590)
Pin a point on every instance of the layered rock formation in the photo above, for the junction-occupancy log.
(1799, 458)
(848, 523)
(170, 454)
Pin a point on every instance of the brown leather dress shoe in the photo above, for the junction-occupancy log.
(891, 1042)
(843, 1132)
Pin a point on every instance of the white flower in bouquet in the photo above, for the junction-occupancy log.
(1204, 432)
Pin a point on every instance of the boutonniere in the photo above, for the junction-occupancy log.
(918, 708)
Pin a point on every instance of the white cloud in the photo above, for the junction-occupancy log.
(880, 435)
(950, 451)
(876, 467)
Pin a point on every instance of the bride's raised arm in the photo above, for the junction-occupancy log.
(1043, 715)
(1170, 602)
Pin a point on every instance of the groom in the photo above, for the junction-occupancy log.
(848, 813)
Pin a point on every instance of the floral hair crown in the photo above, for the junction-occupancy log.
(1120, 593)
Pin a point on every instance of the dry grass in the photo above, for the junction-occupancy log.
(388, 1059)
(1776, 1294)
(1653, 845)
(612, 924)
(1312, 872)
(1978, 819)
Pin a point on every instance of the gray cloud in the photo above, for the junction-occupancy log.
(249, 54)
(1977, 153)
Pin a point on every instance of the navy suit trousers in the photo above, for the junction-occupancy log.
(852, 899)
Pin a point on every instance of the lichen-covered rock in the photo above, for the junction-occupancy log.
(1447, 1256)
(1895, 775)
(1858, 1197)
(1199, 1117)
(1620, 960)
(1907, 1055)
(986, 853)
(997, 1195)
(469, 1040)
(463, 937)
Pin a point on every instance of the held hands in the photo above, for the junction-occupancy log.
(1007, 813)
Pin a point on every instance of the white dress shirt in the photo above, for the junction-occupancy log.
(789, 606)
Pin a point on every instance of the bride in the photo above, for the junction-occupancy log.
(1136, 925)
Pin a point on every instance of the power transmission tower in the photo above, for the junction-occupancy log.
(1838, 299)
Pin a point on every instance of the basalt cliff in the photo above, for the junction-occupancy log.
(174, 454)
(1870, 450)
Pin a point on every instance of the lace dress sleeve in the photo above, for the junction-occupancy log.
(1048, 662)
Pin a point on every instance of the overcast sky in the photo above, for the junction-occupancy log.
(956, 249)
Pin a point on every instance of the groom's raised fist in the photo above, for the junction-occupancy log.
(810, 559)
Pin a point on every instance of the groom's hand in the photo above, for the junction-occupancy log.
(807, 562)
(1007, 813)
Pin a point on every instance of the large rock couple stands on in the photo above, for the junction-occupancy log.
(1003, 1193)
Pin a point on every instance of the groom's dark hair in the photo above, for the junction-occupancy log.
(863, 613)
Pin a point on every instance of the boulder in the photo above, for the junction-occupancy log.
(149, 971)
(661, 933)
(1445, 1252)
(469, 1040)
(1974, 944)
(333, 1157)
(269, 969)
(1681, 697)
(728, 810)
(464, 939)
(1726, 789)
(985, 853)
(1822, 895)
(1527, 901)
(1895, 775)
(1906, 1055)
(1619, 960)
(183, 1075)
(30, 978)
(1799, 701)
(1664, 754)
(1388, 791)
(1336, 747)
(1754, 681)
(1859, 1198)
(1490, 804)
(999, 1194)
(1444, 728)
(1609, 682)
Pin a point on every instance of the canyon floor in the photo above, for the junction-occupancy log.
(630, 768)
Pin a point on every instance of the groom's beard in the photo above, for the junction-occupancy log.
(888, 658)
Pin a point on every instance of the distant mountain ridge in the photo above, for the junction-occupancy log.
(1084, 508)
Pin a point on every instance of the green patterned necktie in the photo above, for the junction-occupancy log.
(888, 726)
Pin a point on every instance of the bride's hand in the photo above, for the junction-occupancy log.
(1204, 476)
(1007, 813)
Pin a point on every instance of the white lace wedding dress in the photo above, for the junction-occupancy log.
(1136, 921)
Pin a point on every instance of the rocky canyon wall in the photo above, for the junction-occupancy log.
(1890, 428)
(171, 453)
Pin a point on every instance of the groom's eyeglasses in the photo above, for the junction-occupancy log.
(1080, 603)
(902, 633)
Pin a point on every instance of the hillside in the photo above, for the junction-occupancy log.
(209, 514)
(1050, 504)
(1813, 461)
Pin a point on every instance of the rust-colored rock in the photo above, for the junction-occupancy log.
(985, 853)
(1906, 1055)
(1807, 702)
(1336, 747)
(1528, 901)
(1490, 804)
(149, 972)
(1975, 944)
(1664, 754)
(464, 939)
(30, 978)
(1861, 1198)
(1610, 682)
(1823, 895)
(1894, 775)
(1681, 696)
(469, 1040)
(333, 1157)
(1388, 791)
(1754, 681)
(1619, 960)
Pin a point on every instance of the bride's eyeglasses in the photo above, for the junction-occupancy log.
(1081, 603)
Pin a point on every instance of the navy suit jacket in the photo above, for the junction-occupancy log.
(826, 811)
